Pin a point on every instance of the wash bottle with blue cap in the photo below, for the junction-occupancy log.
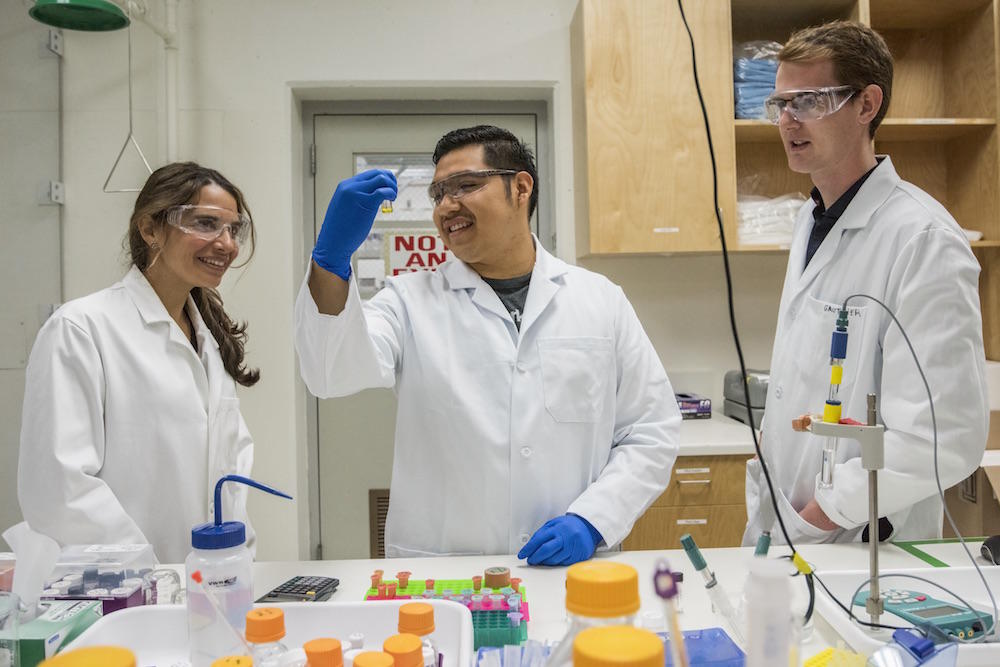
(220, 582)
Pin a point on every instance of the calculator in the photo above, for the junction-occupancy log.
(302, 589)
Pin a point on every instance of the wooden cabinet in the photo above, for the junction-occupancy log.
(644, 179)
(705, 497)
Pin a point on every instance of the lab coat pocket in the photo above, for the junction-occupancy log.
(224, 438)
(575, 375)
(801, 530)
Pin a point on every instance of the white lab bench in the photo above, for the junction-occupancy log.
(717, 436)
(545, 586)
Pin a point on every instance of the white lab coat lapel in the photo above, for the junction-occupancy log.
(858, 213)
(545, 282)
(218, 379)
(460, 276)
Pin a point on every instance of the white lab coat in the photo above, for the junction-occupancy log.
(126, 428)
(898, 244)
(498, 431)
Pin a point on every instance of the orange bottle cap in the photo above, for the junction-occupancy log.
(373, 659)
(324, 652)
(265, 624)
(617, 646)
(406, 650)
(94, 656)
(602, 589)
(497, 577)
(416, 618)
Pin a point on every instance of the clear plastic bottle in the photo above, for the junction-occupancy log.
(598, 593)
(224, 571)
(617, 646)
(768, 614)
(417, 618)
(265, 630)
(324, 652)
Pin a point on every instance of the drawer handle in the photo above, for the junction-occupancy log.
(692, 522)
(692, 471)
(694, 481)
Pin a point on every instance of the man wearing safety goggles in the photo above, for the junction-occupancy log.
(534, 416)
(865, 231)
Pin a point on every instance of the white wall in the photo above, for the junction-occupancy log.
(244, 64)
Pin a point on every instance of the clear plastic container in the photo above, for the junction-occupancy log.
(417, 618)
(768, 614)
(617, 646)
(226, 575)
(598, 593)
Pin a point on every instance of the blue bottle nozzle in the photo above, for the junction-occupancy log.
(224, 534)
(242, 480)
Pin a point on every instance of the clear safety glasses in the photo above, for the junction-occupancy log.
(209, 222)
(463, 183)
(807, 105)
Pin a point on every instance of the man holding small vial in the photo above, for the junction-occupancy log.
(866, 231)
(534, 415)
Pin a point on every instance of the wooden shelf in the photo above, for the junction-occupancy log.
(910, 15)
(892, 129)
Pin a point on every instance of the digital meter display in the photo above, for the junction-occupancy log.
(933, 612)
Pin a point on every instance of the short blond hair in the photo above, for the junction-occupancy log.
(859, 55)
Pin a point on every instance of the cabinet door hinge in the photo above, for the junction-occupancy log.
(312, 159)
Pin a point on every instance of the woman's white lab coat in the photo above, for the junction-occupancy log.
(126, 428)
(498, 431)
(899, 245)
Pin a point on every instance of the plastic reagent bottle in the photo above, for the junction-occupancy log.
(324, 652)
(617, 646)
(225, 564)
(265, 630)
(405, 649)
(598, 593)
(417, 618)
(769, 624)
(373, 659)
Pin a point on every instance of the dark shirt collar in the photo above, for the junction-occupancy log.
(837, 209)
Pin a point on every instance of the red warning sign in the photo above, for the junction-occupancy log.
(414, 251)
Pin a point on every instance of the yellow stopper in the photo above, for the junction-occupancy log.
(617, 646)
(801, 564)
(836, 374)
(831, 413)
(94, 656)
(602, 589)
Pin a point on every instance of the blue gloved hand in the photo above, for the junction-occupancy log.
(349, 218)
(564, 540)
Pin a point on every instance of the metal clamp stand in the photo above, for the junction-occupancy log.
(872, 440)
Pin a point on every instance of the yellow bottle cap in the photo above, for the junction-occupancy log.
(234, 661)
(373, 659)
(417, 618)
(405, 649)
(324, 652)
(617, 646)
(602, 588)
(265, 624)
(93, 656)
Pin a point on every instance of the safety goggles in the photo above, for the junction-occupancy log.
(807, 105)
(209, 222)
(463, 183)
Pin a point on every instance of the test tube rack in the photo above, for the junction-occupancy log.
(490, 627)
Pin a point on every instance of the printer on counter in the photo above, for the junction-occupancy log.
(735, 404)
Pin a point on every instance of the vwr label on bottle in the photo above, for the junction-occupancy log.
(222, 583)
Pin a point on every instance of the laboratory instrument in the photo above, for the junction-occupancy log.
(922, 610)
(302, 588)
(715, 593)
(910, 649)
(832, 409)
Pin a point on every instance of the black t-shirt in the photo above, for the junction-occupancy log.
(825, 218)
(513, 292)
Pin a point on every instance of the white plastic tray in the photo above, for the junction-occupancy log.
(158, 634)
(963, 580)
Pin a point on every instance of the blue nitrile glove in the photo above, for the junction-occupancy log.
(564, 540)
(349, 218)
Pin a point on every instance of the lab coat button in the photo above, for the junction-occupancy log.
(521, 367)
(778, 392)
(526, 451)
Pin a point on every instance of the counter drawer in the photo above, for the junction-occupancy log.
(705, 480)
(710, 525)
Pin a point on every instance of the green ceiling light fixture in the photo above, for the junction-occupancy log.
(90, 15)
